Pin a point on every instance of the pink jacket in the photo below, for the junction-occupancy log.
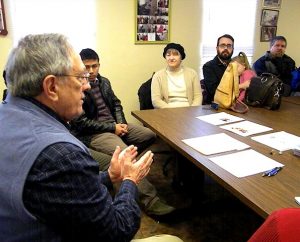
(246, 75)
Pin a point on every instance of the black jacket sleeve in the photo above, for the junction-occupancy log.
(113, 102)
(85, 126)
(87, 123)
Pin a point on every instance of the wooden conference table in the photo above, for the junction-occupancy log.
(262, 194)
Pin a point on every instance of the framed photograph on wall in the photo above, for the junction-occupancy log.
(271, 3)
(152, 21)
(267, 33)
(3, 30)
(269, 17)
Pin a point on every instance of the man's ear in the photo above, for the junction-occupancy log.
(50, 87)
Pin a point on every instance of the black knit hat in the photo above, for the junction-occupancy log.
(176, 47)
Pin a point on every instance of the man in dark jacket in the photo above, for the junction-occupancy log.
(213, 70)
(103, 126)
(275, 61)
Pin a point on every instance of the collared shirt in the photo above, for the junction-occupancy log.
(65, 191)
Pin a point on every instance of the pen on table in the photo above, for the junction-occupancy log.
(272, 172)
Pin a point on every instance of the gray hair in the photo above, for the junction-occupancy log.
(35, 57)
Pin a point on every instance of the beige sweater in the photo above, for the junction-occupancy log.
(160, 93)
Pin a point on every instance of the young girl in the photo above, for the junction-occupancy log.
(245, 73)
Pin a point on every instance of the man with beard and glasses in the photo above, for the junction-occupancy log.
(214, 69)
(275, 61)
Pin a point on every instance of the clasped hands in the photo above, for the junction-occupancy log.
(124, 165)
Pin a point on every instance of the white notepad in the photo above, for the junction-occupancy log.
(245, 163)
(215, 143)
(219, 118)
(246, 128)
(279, 140)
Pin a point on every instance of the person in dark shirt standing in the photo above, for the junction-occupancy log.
(275, 61)
(214, 69)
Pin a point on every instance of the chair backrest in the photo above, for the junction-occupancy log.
(204, 92)
(144, 94)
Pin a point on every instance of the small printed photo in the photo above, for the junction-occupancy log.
(143, 19)
(145, 28)
(163, 3)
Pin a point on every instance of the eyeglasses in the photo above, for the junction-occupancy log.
(94, 66)
(84, 79)
(223, 46)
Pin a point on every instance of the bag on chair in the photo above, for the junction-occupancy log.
(265, 91)
(226, 95)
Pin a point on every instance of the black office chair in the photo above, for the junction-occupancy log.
(204, 92)
(145, 100)
(144, 94)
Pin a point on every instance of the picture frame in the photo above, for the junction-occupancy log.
(271, 3)
(269, 17)
(3, 30)
(267, 33)
(152, 21)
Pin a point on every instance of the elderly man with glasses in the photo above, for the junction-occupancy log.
(214, 69)
(50, 186)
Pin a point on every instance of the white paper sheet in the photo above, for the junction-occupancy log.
(214, 144)
(245, 163)
(246, 128)
(279, 140)
(219, 118)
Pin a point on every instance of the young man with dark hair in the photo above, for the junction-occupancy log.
(103, 127)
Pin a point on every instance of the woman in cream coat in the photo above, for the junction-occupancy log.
(175, 85)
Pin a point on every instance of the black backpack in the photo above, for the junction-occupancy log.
(265, 91)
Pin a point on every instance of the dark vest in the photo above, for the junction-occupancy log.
(25, 131)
